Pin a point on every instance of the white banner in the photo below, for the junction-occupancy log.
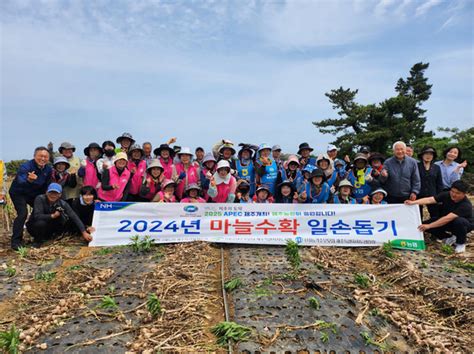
(266, 224)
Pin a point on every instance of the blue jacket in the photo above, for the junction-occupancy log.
(314, 198)
(21, 185)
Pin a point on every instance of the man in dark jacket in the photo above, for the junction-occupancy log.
(31, 180)
(51, 215)
(455, 216)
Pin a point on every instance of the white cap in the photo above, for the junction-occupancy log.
(332, 147)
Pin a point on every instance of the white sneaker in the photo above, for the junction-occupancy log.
(450, 241)
(460, 248)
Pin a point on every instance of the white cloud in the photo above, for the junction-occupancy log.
(426, 6)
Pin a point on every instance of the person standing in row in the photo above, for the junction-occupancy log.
(32, 179)
(430, 177)
(451, 170)
(400, 176)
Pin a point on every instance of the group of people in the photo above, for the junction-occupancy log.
(62, 188)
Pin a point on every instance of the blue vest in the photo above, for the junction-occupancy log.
(321, 198)
(332, 180)
(247, 173)
(270, 177)
(295, 182)
(337, 201)
(360, 191)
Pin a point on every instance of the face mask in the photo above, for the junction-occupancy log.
(109, 153)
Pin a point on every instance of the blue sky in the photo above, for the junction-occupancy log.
(249, 71)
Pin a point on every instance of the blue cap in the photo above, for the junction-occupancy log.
(55, 187)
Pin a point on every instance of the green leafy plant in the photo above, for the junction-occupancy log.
(233, 284)
(104, 251)
(45, 276)
(75, 267)
(424, 264)
(293, 255)
(464, 265)
(447, 249)
(324, 337)
(22, 252)
(262, 291)
(314, 303)
(319, 266)
(369, 341)
(11, 271)
(10, 340)
(141, 245)
(227, 331)
(153, 305)
(362, 280)
(387, 250)
(326, 325)
(108, 302)
(448, 270)
(374, 312)
(160, 253)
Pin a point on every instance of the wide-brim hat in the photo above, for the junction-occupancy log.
(125, 136)
(304, 146)
(292, 158)
(162, 147)
(317, 172)
(227, 146)
(263, 187)
(65, 146)
(223, 164)
(185, 151)
(264, 146)
(120, 156)
(168, 182)
(360, 156)
(246, 147)
(426, 149)
(135, 147)
(155, 163)
(93, 146)
(61, 159)
(323, 157)
(286, 182)
(208, 157)
(376, 156)
(345, 183)
(192, 186)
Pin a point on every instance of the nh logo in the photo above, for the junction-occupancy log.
(106, 206)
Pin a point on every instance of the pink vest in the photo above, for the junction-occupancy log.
(188, 200)
(90, 177)
(223, 190)
(137, 177)
(168, 167)
(115, 195)
(192, 176)
(153, 188)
